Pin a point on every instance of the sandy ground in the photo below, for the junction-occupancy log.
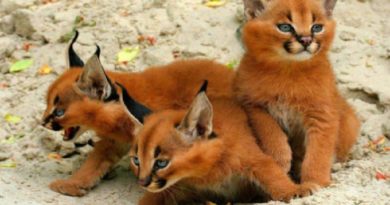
(360, 56)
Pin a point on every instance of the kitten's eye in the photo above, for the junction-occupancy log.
(59, 112)
(316, 28)
(159, 164)
(136, 161)
(285, 28)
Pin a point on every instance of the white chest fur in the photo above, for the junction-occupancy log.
(288, 118)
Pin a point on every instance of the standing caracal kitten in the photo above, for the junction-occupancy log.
(206, 153)
(286, 84)
(84, 98)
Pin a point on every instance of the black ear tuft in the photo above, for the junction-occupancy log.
(138, 110)
(97, 52)
(74, 59)
(203, 88)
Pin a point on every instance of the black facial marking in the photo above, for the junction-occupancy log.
(69, 155)
(137, 109)
(289, 16)
(136, 149)
(213, 135)
(56, 126)
(314, 17)
(157, 152)
(56, 100)
(74, 59)
(161, 183)
(203, 88)
(89, 142)
(286, 46)
(47, 119)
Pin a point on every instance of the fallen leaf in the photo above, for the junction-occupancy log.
(54, 155)
(381, 176)
(26, 46)
(12, 118)
(78, 19)
(232, 64)
(21, 65)
(141, 38)
(377, 144)
(127, 54)
(380, 140)
(152, 40)
(4, 85)
(8, 164)
(215, 3)
(45, 69)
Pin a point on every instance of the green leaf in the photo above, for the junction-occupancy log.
(12, 118)
(127, 54)
(232, 64)
(8, 164)
(21, 65)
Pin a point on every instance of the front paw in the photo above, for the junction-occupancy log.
(286, 193)
(295, 191)
(307, 189)
(69, 187)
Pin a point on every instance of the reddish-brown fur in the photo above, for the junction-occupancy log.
(206, 168)
(298, 95)
(170, 86)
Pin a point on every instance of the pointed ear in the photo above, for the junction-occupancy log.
(197, 123)
(329, 6)
(73, 59)
(253, 8)
(94, 82)
(135, 109)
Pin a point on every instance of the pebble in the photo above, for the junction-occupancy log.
(4, 156)
(24, 23)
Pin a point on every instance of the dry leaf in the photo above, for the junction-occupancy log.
(54, 155)
(45, 69)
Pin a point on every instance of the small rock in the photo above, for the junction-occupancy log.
(4, 156)
(8, 45)
(337, 167)
(49, 141)
(157, 56)
(8, 6)
(23, 21)
(7, 24)
(31, 153)
(4, 67)
(5, 152)
(67, 148)
(347, 35)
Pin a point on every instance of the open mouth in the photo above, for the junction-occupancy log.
(70, 133)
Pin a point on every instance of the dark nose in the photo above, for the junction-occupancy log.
(145, 182)
(305, 40)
